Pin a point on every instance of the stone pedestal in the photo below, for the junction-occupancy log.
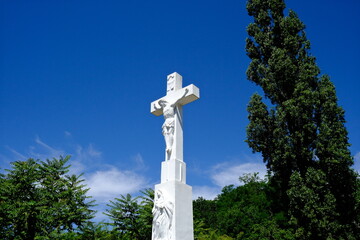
(179, 197)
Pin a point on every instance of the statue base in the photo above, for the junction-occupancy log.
(175, 212)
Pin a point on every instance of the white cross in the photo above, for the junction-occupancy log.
(171, 107)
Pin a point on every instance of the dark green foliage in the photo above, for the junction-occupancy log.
(95, 231)
(239, 212)
(203, 233)
(146, 216)
(131, 219)
(39, 200)
(269, 229)
(239, 208)
(124, 213)
(333, 153)
(302, 129)
(313, 208)
(205, 212)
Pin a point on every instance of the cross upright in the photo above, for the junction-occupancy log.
(171, 107)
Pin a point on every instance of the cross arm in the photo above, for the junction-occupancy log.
(192, 95)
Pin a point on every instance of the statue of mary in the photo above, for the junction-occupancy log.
(163, 213)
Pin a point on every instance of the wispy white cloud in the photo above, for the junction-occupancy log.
(87, 152)
(18, 155)
(77, 167)
(47, 147)
(43, 150)
(93, 152)
(84, 158)
(5, 161)
(206, 192)
(228, 173)
(139, 162)
(111, 183)
(67, 134)
(357, 157)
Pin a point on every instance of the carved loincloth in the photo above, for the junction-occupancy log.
(168, 126)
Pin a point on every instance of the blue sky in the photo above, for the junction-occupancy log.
(78, 77)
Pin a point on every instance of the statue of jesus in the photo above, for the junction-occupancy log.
(169, 109)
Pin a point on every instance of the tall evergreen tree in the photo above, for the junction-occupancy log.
(301, 133)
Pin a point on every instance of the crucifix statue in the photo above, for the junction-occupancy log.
(173, 214)
(171, 107)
